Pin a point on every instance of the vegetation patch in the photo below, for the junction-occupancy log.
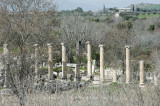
(148, 15)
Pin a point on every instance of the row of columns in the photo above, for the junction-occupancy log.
(102, 74)
(89, 63)
(50, 61)
(128, 73)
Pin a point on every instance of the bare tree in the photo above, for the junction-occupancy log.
(23, 23)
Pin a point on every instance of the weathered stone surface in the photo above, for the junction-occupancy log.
(55, 73)
(94, 67)
(50, 62)
(102, 75)
(96, 78)
(141, 72)
(64, 60)
(89, 58)
(60, 74)
(128, 78)
(85, 78)
(1, 71)
(114, 74)
(97, 71)
(61, 85)
(69, 77)
(36, 64)
(6, 55)
(6, 92)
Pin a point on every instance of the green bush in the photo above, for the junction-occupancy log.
(96, 19)
(84, 59)
(151, 28)
(129, 24)
(57, 69)
(1, 49)
(126, 24)
(85, 69)
(127, 17)
(44, 70)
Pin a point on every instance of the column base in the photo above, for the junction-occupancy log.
(64, 78)
(114, 81)
(91, 77)
(141, 84)
(102, 82)
(127, 82)
(77, 78)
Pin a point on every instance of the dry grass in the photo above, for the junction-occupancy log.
(113, 95)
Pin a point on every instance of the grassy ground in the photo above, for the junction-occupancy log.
(147, 16)
(151, 7)
(113, 95)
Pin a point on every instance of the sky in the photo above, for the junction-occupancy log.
(96, 5)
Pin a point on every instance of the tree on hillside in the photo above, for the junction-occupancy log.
(138, 9)
(79, 10)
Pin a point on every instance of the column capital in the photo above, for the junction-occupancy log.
(141, 61)
(5, 45)
(49, 44)
(101, 45)
(88, 42)
(63, 44)
(36, 45)
(128, 46)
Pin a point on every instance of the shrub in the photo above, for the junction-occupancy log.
(151, 28)
(126, 17)
(96, 20)
(129, 24)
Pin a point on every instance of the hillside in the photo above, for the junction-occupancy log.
(146, 6)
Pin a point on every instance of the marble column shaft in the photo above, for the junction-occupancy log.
(101, 62)
(89, 59)
(6, 55)
(128, 74)
(141, 72)
(64, 71)
(36, 61)
(114, 76)
(50, 61)
(156, 83)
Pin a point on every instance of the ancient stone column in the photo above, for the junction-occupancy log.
(114, 76)
(36, 61)
(128, 64)
(64, 71)
(141, 63)
(6, 55)
(93, 66)
(78, 48)
(78, 52)
(155, 79)
(101, 63)
(89, 59)
(50, 62)
(77, 72)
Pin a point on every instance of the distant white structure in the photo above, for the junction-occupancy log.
(124, 9)
(117, 14)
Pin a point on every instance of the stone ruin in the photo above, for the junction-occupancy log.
(76, 78)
